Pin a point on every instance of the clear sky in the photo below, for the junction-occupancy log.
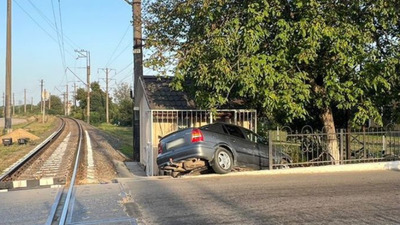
(102, 27)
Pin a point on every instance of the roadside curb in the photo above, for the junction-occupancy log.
(30, 184)
(391, 165)
(360, 167)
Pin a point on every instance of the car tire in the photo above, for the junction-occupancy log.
(284, 164)
(223, 161)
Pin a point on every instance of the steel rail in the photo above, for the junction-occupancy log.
(34, 151)
(72, 183)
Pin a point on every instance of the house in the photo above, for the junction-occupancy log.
(163, 110)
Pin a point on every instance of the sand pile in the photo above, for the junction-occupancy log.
(20, 133)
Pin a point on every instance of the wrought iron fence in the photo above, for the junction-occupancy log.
(310, 148)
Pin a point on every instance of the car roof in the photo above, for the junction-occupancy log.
(224, 123)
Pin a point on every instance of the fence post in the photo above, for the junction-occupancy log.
(270, 146)
(383, 145)
(364, 150)
(341, 146)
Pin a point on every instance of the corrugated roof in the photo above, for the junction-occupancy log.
(161, 96)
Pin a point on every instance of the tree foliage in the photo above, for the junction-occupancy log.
(124, 105)
(285, 57)
(97, 103)
(56, 106)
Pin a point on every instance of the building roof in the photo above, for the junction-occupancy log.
(160, 95)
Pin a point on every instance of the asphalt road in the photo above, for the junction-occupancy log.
(14, 121)
(26, 207)
(330, 198)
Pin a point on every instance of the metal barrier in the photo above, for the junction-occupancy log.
(311, 148)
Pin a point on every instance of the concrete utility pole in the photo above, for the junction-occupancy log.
(138, 71)
(86, 54)
(4, 109)
(24, 100)
(13, 105)
(74, 95)
(43, 105)
(107, 70)
(41, 96)
(66, 101)
(7, 115)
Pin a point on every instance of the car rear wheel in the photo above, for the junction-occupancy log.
(284, 164)
(223, 161)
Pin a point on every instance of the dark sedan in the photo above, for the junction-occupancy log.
(219, 145)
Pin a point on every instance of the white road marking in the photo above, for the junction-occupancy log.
(90, 161)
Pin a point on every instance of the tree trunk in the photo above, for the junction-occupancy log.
(332, 142)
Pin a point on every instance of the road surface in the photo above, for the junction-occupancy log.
(329, 198)
(14, 121)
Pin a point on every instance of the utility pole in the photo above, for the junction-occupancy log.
(74, 95)
(66, 101)
(43, 106)
(41, 96)
(107, 117)
(24, 101)
(49, 95)
(13, 105)
(107, 70)
(4, 109)
(31, 104)
(138, 71)
(7, 116)
(86, 54)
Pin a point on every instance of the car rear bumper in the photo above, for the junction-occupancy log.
(198, 150)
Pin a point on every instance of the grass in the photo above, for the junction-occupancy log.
(11, 154)
(124, 134)
(42, 130)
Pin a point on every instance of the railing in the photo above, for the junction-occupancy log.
(310, 148)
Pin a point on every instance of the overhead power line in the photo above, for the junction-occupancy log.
(127, 47)
(122, 70)
(71, 44)
(119, 43)
(60, 45)
(48, 21)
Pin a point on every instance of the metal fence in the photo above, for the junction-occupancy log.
(310, 148)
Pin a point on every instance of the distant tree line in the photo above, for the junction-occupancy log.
(120, 105)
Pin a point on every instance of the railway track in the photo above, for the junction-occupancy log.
(75, 154)
(58, 214)
(50, 163)
(56, 158)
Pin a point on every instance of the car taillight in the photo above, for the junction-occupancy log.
(197, 135)
(159, 148)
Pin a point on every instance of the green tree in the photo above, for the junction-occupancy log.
(284, 57)
(56, 106)
(124, 105)
(97, 103)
